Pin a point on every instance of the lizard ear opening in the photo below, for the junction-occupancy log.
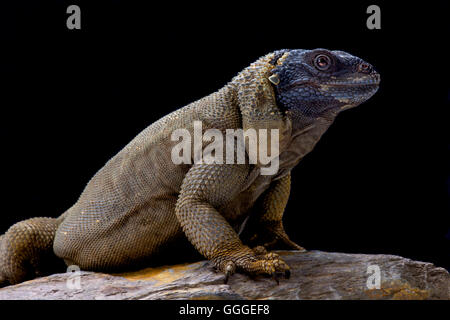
(274, 79)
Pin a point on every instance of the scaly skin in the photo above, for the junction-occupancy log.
(140, 201)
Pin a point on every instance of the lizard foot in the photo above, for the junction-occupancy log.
(294, 246)
(275, 268)
(267, 265)
(274, 236)
(280, 235)
(270, 264)
(262, 253)
(254, 262)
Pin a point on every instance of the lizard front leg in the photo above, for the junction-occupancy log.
(266, 227)
(205, 188)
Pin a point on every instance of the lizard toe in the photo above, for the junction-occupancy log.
(276, 268)
(229, 268)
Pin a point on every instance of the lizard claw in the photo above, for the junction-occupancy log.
(287, 274)
(276, 276)
(229, 269)
(275, 268)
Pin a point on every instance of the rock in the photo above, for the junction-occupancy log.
(314, 275)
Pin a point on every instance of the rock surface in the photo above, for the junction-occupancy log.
(315, 275)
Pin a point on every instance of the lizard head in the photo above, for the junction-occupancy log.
(314, 83)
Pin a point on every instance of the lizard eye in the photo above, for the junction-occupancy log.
(322, 62)
(363, 67)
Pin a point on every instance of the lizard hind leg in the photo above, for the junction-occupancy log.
(26, 251)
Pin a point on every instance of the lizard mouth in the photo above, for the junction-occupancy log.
(353, 91)
(371, 81)
(365, 82)
(349, 93)
(351, 86)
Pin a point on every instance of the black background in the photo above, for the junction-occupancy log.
(377, 182)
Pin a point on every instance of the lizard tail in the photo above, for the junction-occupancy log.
(3, 281)
(26, 250)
